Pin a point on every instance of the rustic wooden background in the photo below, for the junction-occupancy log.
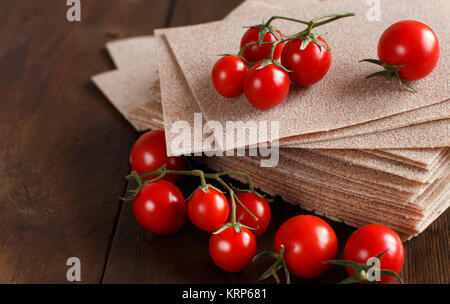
(64, 151)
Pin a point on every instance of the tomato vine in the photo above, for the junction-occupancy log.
(161, 172)
(307, 36)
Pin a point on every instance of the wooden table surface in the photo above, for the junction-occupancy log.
(64, 152)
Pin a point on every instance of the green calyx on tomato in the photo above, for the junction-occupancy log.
(261, 42)
(306, 36)
(362, 258)
(301, 245)
(267, 62)
(408, 50)
(265, 28)
(208, 208)
(390, 71)
(273, 270)
(237, 226)
(361, 271)
(205, 195)
(205, 188)
(232, 251)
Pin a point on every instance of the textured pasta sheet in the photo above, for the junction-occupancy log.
(124, 55)
(407, 219)
(179, 105)
(289, 173)
(134, 52)
(127, 89)
(382, 164)
(423, 158)
(177, 101)
(341, 99)
(181, 99)
(440, 110)
(398, 138)
(150, 112)
(426, 135)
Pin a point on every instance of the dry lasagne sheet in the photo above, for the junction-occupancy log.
(336, 101)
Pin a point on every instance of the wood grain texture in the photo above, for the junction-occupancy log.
(64, 152)
(64, 148)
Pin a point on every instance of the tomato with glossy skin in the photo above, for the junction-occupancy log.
(267, 87)
(259, 207)
(371, 240)
(308, 242)
(208, 210)
(228, 76)
(232, 251)
(149, 154)
(255, 53)
(308, 66)
(412, 44)
(160, 208)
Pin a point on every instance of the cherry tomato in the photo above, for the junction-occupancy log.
(412, 44)
(149, 154)
(256, 52)
(308, 242)
(308, 66)
(258, 206)
(267, 87)
(232, 251)
(160, 207)
(208, 210)
(228, 76)
(371, 240)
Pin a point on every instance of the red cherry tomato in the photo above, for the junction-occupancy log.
(256, 52)
(149, 154)
(258, 206)
(208, 210)
(267, 87)
(308, 242)
(412, 44)
(228, 76)
(371, 240)
(160, 208)
(232, 251)
(308, 66)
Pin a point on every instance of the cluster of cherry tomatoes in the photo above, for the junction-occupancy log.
(268, 61)
(159, 206)
(303, 244)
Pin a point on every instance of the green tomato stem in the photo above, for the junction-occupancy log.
(273, 18)
(331, 18)
(305, 34)
(161, 172)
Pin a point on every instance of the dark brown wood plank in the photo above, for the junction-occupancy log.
(427, 259)
(64, 148)
(139, 257)
(188, 12)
